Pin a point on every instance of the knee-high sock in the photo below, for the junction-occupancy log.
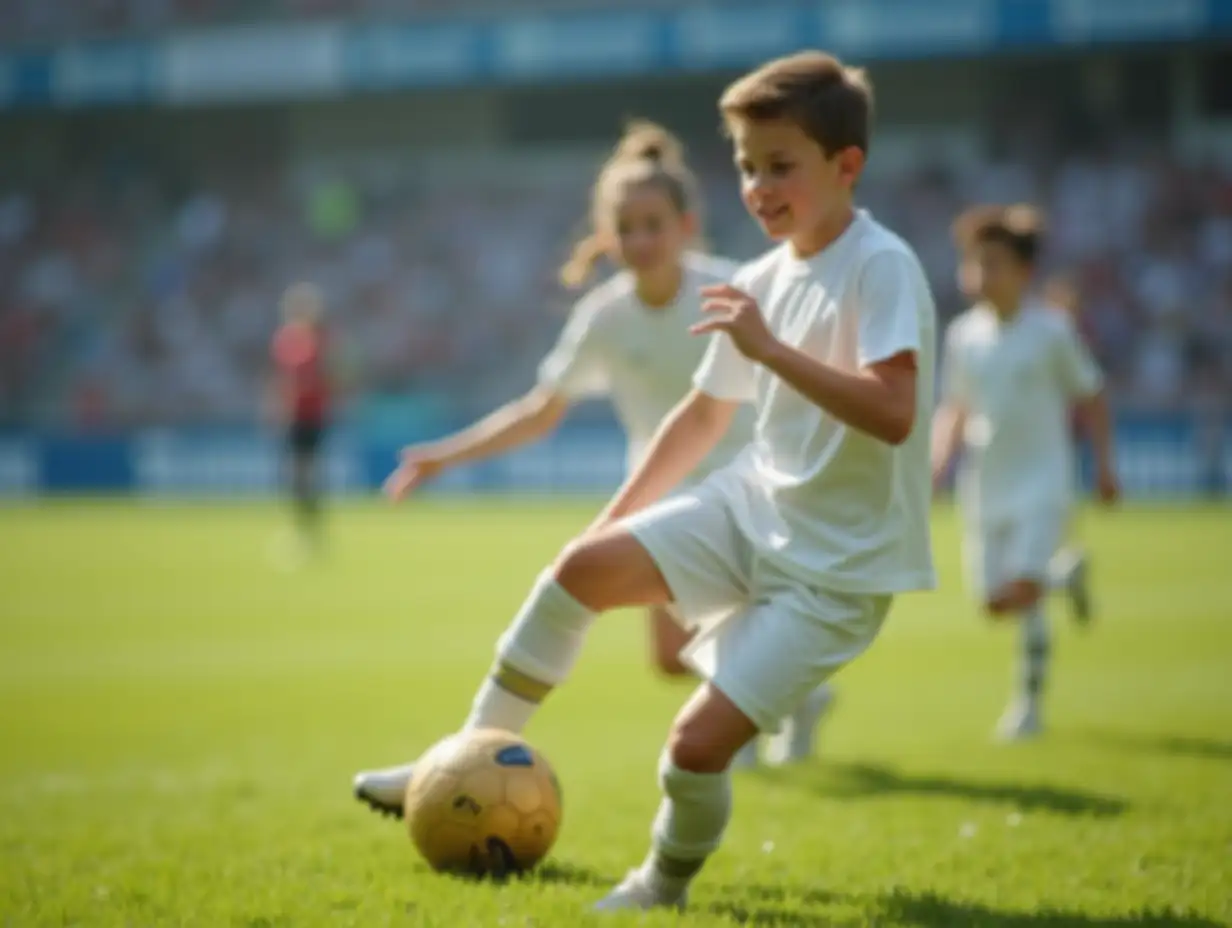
(1036, 645)
(532, 657)
(689, 825)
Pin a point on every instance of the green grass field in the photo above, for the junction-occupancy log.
(179, 722)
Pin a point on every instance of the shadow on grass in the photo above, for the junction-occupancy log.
(558, 873)
(856, 780)
(769, 905)
(764, 904)
(929, 909)
(794, 906)
(1175, 745)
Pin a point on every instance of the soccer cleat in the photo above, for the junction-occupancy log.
(798, 739)
(1020, 722)
(384, 791)
(637, 893)
(1078, 588)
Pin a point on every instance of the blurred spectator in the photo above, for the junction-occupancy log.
(135, 302)
(43, 20)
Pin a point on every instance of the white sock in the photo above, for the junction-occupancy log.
(496, 707)
(1062, 566)
(688, 826)
(1036, 645)
(533, 656)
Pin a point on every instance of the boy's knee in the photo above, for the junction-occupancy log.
(579, 567)
(609, 569)
(703, 741)
(689, 749)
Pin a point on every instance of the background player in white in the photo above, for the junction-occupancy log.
(794, 551)
(1013, 368)
(628, 339)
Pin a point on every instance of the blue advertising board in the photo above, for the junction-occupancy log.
(1159, 457)
(293, 60)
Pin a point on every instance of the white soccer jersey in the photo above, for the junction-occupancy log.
(824, 502)
(643, 359)
(1016, 381)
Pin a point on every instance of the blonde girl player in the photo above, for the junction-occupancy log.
(793, 552)
(628, 339)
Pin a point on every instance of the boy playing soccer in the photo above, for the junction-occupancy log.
(791, 554)
(1012, 369)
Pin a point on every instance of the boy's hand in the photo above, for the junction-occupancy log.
(1108, 486)
(738, 315)
(420, 463)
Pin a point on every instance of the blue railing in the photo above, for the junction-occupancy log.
(292, 60)
(1159, 456)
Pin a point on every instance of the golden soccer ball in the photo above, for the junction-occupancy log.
(483, 803)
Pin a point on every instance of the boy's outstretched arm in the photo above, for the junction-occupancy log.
(685, 437)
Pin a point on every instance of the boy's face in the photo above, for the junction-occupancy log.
(787, 182)
(992, 271)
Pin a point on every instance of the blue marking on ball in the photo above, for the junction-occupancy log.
(516, 755)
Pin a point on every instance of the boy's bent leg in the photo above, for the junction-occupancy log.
(625, 564)
(601, 571)
(696, 806)
(605, 570)
(772, 657)
(678, 551)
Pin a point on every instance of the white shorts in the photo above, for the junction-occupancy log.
(1020, 549)
(765, 640)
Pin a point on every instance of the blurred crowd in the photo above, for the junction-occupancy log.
(127, 300)
(49, 20)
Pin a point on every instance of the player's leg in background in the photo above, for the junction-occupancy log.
(1023, 598)
(305, 482)
(1030, 547)
(1069, 572)
(774, 655)
(797, 741)
(989, 565)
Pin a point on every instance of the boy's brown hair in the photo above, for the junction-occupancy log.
(1020, 228)
(830, 102)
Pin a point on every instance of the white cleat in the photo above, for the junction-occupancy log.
(798, 740)
(1020, 722)
(636, 893)
(747, 757)
(384, 791)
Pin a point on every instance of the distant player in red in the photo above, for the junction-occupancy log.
(301, 396)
